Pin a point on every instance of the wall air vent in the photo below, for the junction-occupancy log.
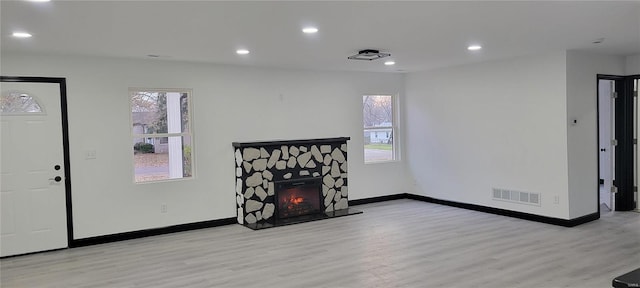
(516, 196)
(368, 54)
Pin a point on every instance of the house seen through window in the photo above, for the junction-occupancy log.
(161, 132)
(379, 128)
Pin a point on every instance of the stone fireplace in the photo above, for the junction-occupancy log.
(286, 182)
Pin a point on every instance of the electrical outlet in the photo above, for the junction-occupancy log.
(556, 199)
(163, 208)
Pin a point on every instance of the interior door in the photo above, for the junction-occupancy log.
(33, 179)
(623, 152)
(606, 119)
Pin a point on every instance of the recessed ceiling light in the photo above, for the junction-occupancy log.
(39, 0)
(21, 35)
(242, 51)
(474, 47)
(310, 30)
(389, 63)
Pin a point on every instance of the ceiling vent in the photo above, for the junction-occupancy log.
(368, 54)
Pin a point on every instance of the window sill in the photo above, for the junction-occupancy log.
(163, 180)
(382, 162)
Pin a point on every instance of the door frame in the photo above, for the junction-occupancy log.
(62, 83)
(624, 135)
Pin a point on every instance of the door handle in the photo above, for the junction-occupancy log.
(603, 149)
(57, 179)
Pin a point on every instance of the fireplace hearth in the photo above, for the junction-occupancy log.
(286, 182)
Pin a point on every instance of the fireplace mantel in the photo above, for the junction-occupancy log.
(290, 142)
(262, 164)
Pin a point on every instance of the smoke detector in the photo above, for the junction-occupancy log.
(368, 54)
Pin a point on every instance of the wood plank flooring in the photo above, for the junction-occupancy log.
(401, 243)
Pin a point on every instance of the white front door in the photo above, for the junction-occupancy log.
(32, 184)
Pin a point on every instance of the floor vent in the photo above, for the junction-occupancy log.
(516, 196)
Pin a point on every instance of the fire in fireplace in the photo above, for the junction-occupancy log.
(298, 197)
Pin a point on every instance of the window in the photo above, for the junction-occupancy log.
(16, 102)
(379, 128)
(161, 132)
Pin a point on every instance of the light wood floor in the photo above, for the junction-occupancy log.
(402, 243)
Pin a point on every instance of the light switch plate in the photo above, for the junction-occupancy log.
(90, 154)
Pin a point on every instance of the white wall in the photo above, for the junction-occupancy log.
(498, 124)
(633, 65)
(582, 139)
(230, 103)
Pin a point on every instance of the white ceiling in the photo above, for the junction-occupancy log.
(419, 35)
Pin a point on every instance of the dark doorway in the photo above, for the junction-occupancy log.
(617, 120)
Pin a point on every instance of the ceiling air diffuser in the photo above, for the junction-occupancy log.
(368, 54)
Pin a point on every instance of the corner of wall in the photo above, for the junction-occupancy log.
(632, 64)
(582, 135)
(461, 146)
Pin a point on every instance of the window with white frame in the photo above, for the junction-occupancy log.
(378, 113)
(162, 134)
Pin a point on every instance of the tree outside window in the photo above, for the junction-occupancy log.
(379, 127)
(161, 131)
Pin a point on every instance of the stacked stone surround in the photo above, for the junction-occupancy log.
(259, 165)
